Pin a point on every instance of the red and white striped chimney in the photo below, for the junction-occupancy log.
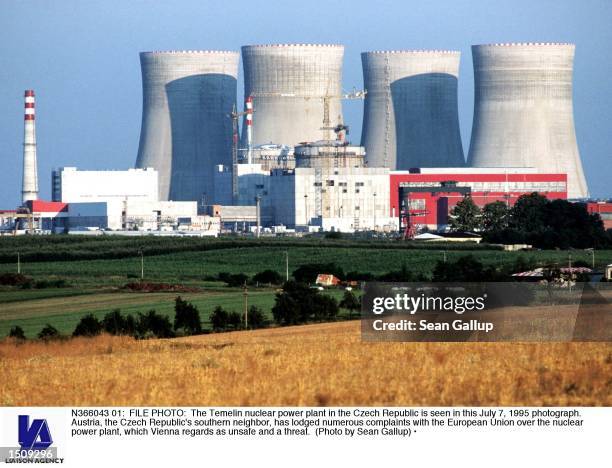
(29, 189)
(249, 128)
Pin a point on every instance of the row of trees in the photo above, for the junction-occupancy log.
(266, 277)
(297, 303)
(532, 220)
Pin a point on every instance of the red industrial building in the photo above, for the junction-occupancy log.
(604, 210)
(428, 194)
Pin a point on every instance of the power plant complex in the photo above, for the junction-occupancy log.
(292, 168)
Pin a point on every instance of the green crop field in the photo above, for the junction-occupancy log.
(96, 269)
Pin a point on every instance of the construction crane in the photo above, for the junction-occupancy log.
(327, 127)
(407, 227)
(235, 115)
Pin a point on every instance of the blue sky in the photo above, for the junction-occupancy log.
(81, 57)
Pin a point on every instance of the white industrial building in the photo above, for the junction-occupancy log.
(71, 185)
(345, 199)
(123, 201)
(330, 189)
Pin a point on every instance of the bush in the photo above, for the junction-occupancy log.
(17, 333)
(298, 303)
(234, 320)
(465, 269)
(257, 318)
(333, 235)
(186, 317)
(219, 319)
(49, 332)
(116, 324)
(44, 284)
(88, 326)
(233, 280)
(350, 302)
(13, 279)
(154, 324)
(324, 308)
(268, 277)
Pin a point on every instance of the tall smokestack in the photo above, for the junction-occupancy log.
(29, 189)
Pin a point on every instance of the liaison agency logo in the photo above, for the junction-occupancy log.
(34, 436)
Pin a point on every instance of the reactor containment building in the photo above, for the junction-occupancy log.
(295, 88)
(186, 131)
(523, 111)
(411, 116)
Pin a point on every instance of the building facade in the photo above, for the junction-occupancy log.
(345, 199)
(434, 192)
(71, 185)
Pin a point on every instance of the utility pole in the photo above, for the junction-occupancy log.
(375, 212)
(141, 265)
(444, 252)
(257, 213)
(246, 306)
(592, 250)
(287, 265)
(18, 264)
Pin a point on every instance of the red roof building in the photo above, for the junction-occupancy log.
(434, 192)
(604, 210)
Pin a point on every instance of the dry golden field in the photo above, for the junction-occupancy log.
(324, 364)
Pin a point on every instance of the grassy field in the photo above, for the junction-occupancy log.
(64, 312)
(197, 266)
(325, 364)
(95, 270)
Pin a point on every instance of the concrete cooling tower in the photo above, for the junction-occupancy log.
(523, 112)
(411, 116)
(290, 84)
(187, 99)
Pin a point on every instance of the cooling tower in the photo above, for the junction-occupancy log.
(187, 99)
(290, 84)
(523, 113)
(410, 115)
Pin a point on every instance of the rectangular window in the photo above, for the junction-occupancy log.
(417, 204)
